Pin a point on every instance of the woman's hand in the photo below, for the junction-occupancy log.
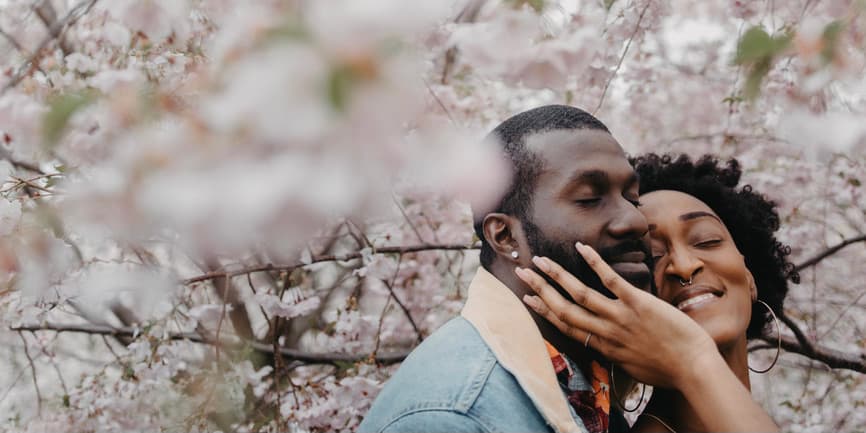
(650, 339)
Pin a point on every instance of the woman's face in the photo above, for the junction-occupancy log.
(690, 243)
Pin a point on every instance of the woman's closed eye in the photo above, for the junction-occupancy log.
(708, 243)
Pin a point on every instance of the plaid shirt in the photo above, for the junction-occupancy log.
(591, 405)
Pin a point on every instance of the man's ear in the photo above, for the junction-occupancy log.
(504, 234)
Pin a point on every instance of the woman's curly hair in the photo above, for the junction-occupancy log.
(750, 217)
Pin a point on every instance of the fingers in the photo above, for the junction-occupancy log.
(579, 292)
(565, 315)
(590, 339)
(615, 283)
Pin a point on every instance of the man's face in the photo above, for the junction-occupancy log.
(587, 192)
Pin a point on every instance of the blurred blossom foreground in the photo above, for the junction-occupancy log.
(240, 216)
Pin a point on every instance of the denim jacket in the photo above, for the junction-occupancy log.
(485, 371)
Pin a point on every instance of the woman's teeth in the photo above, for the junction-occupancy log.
(696, 300)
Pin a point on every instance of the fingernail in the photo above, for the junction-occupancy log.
(520, 272)
(532, 301)
(580, 246)
(541, 263)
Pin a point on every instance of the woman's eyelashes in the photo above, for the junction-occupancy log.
(658, 255)
(709, 243)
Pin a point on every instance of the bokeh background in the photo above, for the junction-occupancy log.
(240, 216)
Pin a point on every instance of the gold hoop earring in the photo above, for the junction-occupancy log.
(618, 403)
(778, 334)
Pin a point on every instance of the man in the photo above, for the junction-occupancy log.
(499, 367)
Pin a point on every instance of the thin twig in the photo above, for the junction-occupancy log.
(725, 135)
(842, 314)
(111, 349)
(621, 58)
(32, 185)
(418, 334)
(441, 104)
(467, 15)
(53, 363)
(222, 316)
(32, 370)
(379, 329)
(406, 217)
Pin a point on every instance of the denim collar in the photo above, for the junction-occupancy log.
(507, 328)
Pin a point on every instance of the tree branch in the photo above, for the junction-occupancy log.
(46, 13)
(831, 357)
(291, 354)
(828, 252)
(805, 344)
(329, 258)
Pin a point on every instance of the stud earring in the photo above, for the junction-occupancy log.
(515, 254)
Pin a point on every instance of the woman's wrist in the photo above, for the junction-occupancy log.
(695, 372)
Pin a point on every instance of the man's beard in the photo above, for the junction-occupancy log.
(565, 254)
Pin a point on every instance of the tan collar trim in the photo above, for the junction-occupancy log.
(508, 329)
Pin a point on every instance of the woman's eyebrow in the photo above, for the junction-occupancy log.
(698, 214)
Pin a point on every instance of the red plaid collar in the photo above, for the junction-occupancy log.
(592, 406)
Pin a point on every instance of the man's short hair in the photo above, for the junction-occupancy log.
(525, 164)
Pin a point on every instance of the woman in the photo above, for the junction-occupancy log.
(715, 258)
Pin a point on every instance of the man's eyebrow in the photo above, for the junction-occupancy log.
(598, 180)
(698, 214)
(592, 177)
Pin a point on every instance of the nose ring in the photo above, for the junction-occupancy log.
(686, 283)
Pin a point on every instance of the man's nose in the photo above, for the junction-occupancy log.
(628, 222)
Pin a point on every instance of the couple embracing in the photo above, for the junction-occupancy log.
(597, 272)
